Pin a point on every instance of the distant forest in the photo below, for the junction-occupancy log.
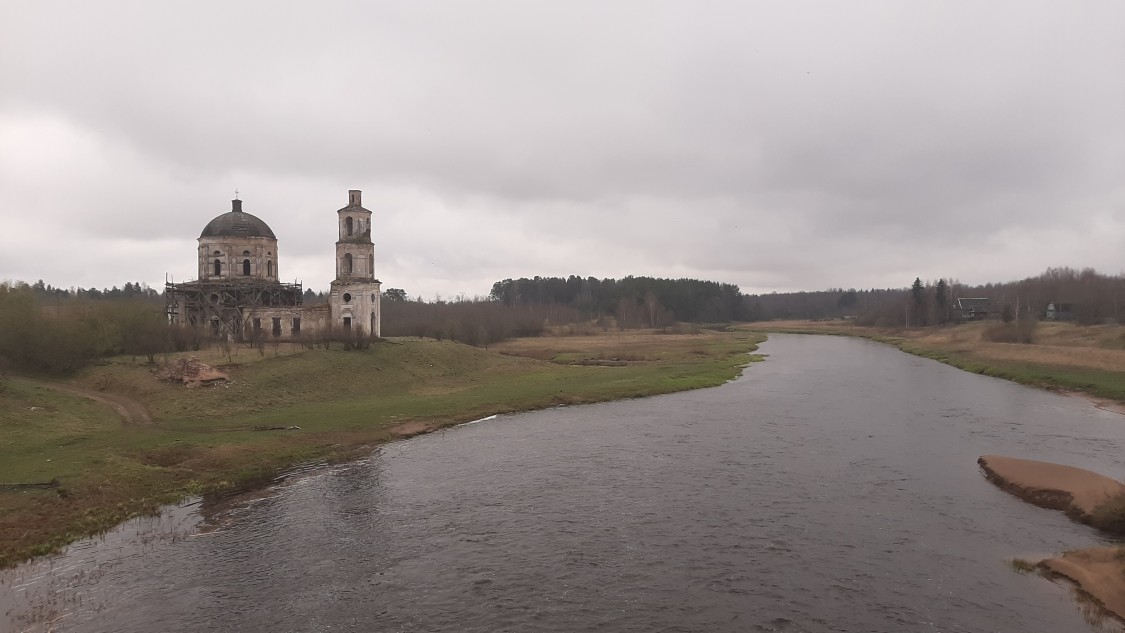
(1088, 297)
(634, 301)
(530, 307)
(52, 330)
(129, 291)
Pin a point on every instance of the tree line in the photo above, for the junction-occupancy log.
(53, 330)
(477, 321)
(632, 301)
(40, 334)
(1084, 296)
(128, 292)
(534, 306)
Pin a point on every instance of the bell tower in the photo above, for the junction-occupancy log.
(355, 298)
(355, 254)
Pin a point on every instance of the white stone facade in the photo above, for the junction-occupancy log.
(238, 295)
(234, 258)
(354, 302)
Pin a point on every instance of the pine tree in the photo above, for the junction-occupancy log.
(941, 300)
(918, 294)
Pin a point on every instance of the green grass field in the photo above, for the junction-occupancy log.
(203, 440)
(1103, 383)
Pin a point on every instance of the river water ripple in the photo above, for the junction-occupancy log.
(831, 488)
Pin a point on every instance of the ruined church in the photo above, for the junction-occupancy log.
(238, 295)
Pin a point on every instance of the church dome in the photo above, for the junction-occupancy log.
(237, 223)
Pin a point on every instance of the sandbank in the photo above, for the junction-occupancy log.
(1073, 490)
(1097, 571)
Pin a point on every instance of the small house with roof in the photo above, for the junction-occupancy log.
(975, 308)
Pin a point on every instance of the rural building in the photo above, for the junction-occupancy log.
(238, 296)
(1059, 312)
(975, 309)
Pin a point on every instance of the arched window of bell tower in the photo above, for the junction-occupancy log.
(218, 268)
(246, 267)
(269, 268)
(347, 262)
(348, 226)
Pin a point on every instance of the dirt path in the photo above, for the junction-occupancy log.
(131, 411)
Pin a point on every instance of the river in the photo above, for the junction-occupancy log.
(833, 487)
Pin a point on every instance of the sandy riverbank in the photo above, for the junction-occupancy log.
(1075, 491)
(1098, 571)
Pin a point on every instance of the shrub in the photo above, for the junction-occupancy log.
(1015, 332)
(1110, 516)
(186, 337)
(1021, 566)
(353, 339)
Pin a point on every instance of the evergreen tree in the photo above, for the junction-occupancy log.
(941, 300)
(918, 295)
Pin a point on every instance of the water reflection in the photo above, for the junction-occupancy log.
(833, 488)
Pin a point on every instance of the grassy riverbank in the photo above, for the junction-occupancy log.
(97, 471)
(1086, 359)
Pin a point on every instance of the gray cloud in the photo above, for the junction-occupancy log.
(773, 145)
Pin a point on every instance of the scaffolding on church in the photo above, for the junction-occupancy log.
(223, 305)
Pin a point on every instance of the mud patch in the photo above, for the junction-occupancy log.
(191, 372)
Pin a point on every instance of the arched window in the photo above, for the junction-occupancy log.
(269, 268)
(246, 267)
(348, 225)
(218, 268)
(347, 263)
(371, 265)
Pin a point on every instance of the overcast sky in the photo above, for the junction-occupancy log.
(774, 145)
